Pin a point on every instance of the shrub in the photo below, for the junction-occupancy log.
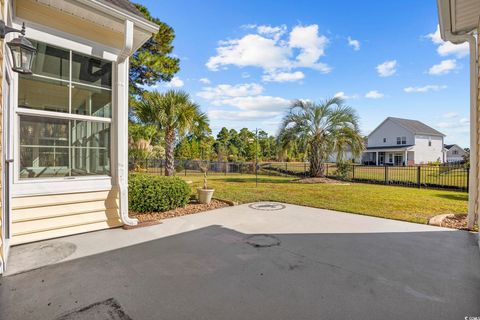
(147, 193)
(343, 169)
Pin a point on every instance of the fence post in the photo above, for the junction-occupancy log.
(326, 171)
(386, 174)
(353, 172)
(305, 168)
(468, 178)
(226, 164)
(286, 166)
(419, 175)
(185, 165)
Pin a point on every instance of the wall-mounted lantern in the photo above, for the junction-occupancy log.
(23, 52)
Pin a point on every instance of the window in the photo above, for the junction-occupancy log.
(64, 110)
(429, 142)
(455, 152)
(401, 140)
(384, 140)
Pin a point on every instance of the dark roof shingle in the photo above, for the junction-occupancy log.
(125, 5)
(416, 126)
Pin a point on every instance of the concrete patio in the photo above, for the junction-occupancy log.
(243, 263)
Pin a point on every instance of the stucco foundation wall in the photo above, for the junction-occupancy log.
(50, 216)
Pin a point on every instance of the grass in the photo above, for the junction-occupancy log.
(392, 202)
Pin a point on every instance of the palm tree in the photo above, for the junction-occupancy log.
(174, 113)
(324, 129)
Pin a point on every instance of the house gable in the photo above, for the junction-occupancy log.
(386, 134)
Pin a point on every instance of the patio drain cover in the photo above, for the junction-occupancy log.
(267, 206)
(263, 241)
(103, 310)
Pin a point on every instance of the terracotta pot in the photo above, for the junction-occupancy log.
(205, 195)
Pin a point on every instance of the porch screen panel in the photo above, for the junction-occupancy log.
(55, 138)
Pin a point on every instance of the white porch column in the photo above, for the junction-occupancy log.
(405, 160)
(473, 191)
(120, 120)
(376, 158)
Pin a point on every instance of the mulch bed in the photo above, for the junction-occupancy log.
(458, 221)
(319, 180)
(192, 207)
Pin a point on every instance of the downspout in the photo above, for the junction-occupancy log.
(122, 122)
(474, 134)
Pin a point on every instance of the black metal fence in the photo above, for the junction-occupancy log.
(448, 176)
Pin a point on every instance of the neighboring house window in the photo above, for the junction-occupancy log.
(401, 140)
(429, 143)
(65, 110)
(390, 158)
(384, 140)
(455, 152)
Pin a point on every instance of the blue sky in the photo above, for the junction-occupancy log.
(243, 61)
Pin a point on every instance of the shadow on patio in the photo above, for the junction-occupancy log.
(219, 273)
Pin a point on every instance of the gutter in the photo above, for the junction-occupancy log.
(444, 15)
(121, 14)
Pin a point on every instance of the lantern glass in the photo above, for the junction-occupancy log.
(23, 53)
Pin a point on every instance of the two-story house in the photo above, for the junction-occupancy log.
(404, 142)
(454, 153)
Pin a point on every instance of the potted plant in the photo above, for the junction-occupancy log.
(205, 194)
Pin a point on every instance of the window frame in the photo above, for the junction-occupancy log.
(59, 185)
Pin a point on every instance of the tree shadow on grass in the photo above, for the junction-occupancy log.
(260, 180)
(456, 197)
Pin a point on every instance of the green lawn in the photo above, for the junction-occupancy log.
(401, 203)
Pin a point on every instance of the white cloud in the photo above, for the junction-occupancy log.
(259, 103)
(355, 44)
(374, 94)
(241, 115)
(283, 76)
(445, 124)
(204, 80)
(429, 87)
(245, 75)
(450, 115)
(223, 91)
(251, 50)
(444, 67)
(274, 32)
(311, 45)
(176, 82)
(342, 95)
(274, 50)
(387, 69)
(246, 97)
(457, 129)
(448, 48)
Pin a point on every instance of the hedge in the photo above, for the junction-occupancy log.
(148, 193)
